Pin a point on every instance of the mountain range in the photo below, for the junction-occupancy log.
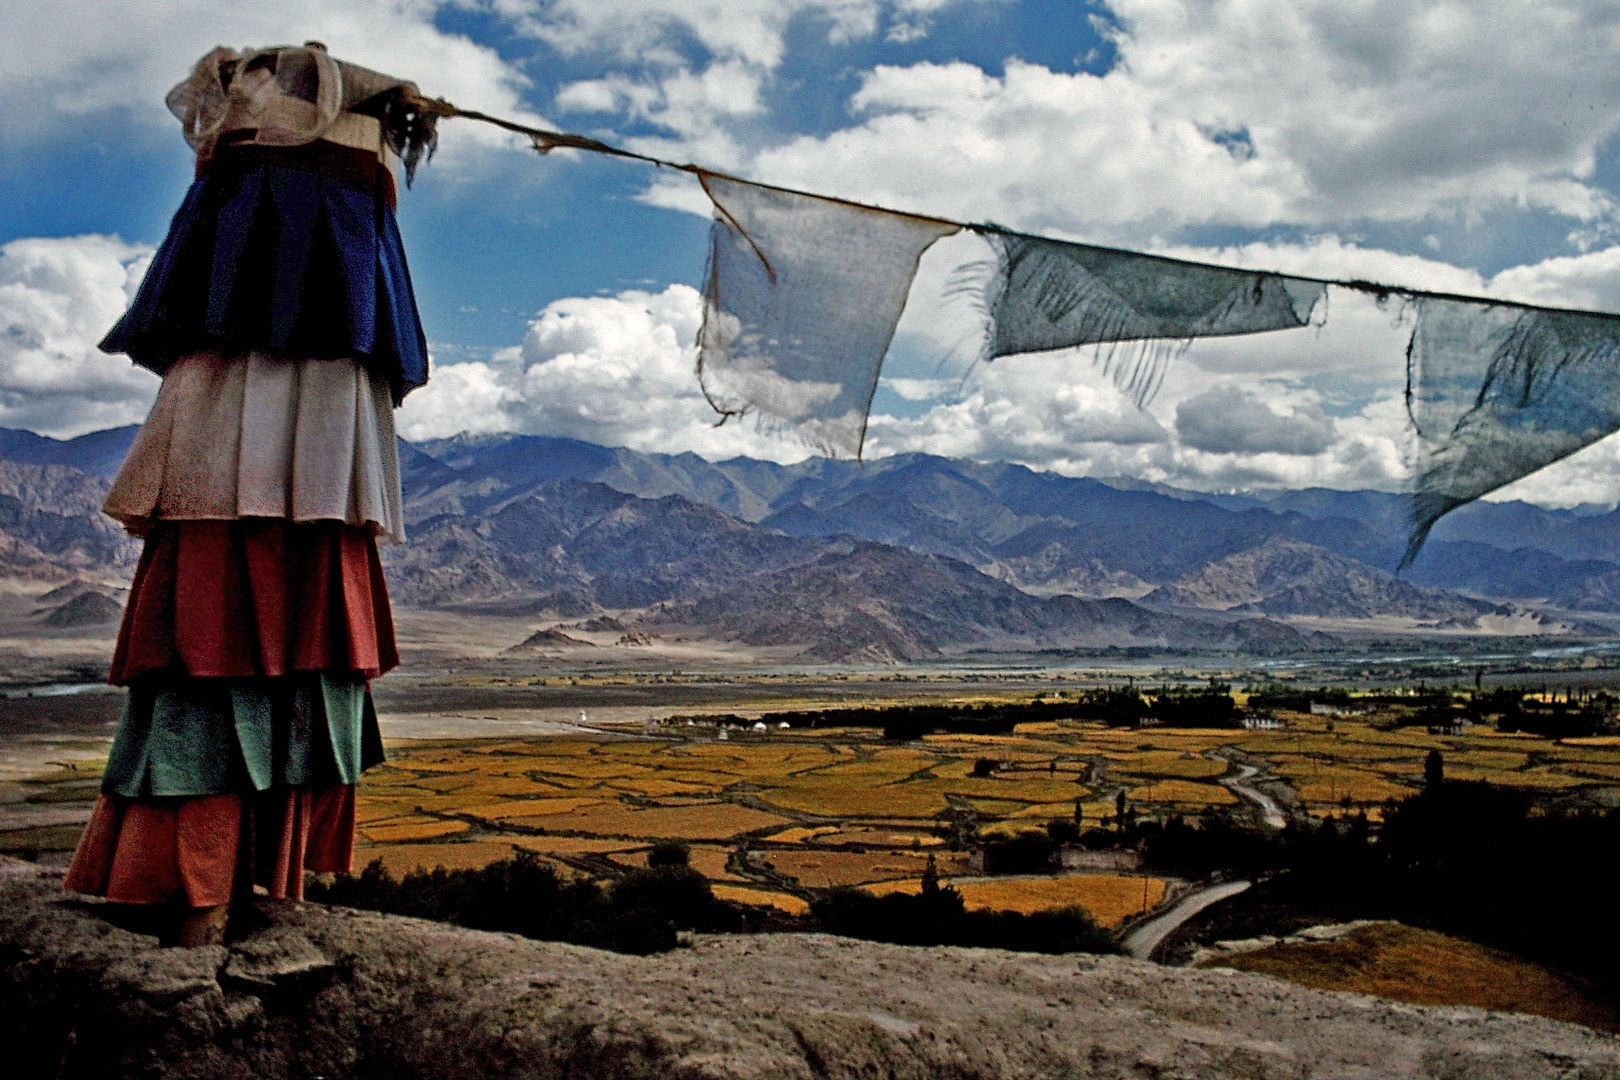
(902, 558)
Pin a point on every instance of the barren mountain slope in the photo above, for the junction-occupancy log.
(1287, 577)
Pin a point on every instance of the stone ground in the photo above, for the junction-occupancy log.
(311, 991)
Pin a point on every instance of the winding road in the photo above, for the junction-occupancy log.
(1270, 812)
(1141, 942)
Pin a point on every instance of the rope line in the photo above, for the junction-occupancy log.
(545, 141)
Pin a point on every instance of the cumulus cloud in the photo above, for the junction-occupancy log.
(748, 30)
(616, 370)
(1232, 420)
(102, 55)
(1044, 409)
(1240, 112)
(57, 298)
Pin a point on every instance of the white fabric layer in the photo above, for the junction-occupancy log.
(258, 435)
(285, 95)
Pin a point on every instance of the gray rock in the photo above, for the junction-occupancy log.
(165, 977)
(270, 962)
(381, 996)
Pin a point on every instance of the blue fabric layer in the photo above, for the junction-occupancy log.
(265, 256)
(191, 737)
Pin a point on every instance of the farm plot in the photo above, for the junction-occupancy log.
(1110, 898)
(847, 793)
(828, 869)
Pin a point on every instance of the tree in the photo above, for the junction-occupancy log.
(1119, 809)
(669, 853)
(1434, 771)
(930, 878)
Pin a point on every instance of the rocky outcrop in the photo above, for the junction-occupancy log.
(316, 991)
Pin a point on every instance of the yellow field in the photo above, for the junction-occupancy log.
(836, 807)
(1181, 793)
(1110, 898)
(1170, 764)
(402, 858)
(1426, 968)
(570, 845)
(787, 902)
(708, 861)
(411, 829)
(826, 869)
(713, 821)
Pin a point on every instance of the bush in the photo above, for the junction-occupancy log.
(1208, 706)
(669, 853)
(639, 913)
(1063, 831)
(1030, 852)
(1117, 708)
(1214, 843)
(938, 917)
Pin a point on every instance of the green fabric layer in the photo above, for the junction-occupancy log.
(187, 737)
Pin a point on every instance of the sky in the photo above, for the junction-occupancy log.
(1464, 145)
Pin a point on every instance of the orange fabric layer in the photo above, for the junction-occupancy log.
(259, 597)
(200, 851)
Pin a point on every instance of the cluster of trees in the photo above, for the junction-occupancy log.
(1577, 713)
(1202, 706)
(907, 722)
(1278, 697)
(1466, 858)
(638, 913)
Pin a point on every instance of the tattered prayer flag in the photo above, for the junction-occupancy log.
(1497, 391)
(801, 301)
(803, 294)
(1048, 294)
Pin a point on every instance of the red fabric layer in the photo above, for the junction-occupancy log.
(196, 851)
(256, 596)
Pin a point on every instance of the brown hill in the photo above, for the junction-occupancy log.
(697, 573)
(1289, 577)
(86, 609)
(549, 639)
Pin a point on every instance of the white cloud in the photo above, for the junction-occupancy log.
(1242, 112)
(91, 56)
(614, 370)
(1233, 420)
(1591, 476)
(748, 30)
(57, 298)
